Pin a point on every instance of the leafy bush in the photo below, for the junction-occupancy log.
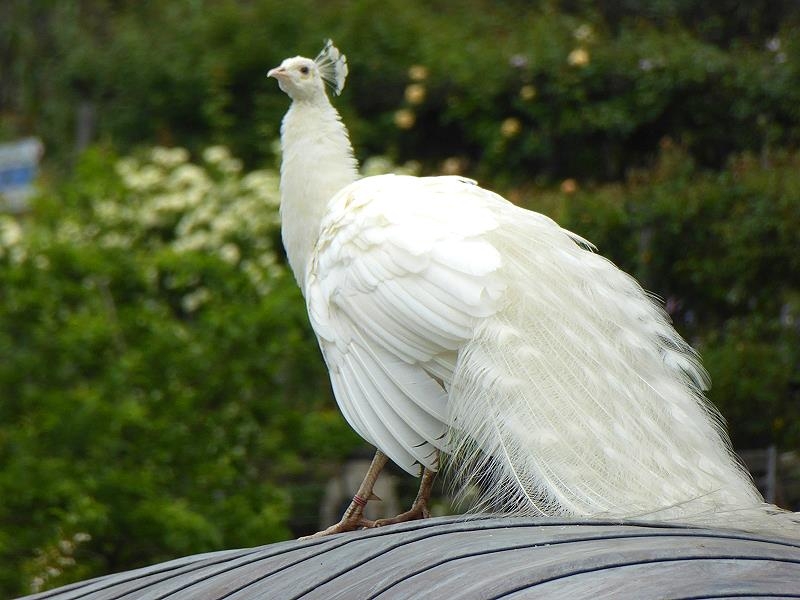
(162, 393)
(514, 90)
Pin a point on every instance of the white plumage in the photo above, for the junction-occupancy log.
(452, 320)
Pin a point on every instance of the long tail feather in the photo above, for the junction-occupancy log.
(579, 398)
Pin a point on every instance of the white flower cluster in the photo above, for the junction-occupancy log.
(209, 207)
(52, 560)
(11, 237)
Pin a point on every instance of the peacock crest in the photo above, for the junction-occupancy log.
(332, 66)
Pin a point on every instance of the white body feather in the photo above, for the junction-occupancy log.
(451, 319)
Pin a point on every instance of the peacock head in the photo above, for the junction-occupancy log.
(304, 79)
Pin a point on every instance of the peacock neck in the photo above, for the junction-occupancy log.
(317, 162)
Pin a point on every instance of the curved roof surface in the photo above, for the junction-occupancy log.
(476, 557)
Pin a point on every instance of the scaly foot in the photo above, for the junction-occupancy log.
(351, 521)
(419, 509)
(353, 517)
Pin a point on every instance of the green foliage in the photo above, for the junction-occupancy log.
(161, 389)
(513, 89)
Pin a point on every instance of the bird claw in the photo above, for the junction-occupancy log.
(353, 518)
(419, 510)
(342, 526)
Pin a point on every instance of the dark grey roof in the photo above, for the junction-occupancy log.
(480, 557)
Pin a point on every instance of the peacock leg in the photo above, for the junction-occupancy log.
(419, 509)
(353, 517)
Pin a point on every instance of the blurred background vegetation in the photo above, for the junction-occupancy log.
(161, 393)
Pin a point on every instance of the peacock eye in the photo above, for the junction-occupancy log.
(304, 70)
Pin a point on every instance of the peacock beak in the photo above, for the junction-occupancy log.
(277, 72)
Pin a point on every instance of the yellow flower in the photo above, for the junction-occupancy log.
(527, 92)
(583, 33)
(510, 127)
(415, 93)
(418, 73)
(452, 166)
(569, 186)
(404, 118)
(578, 57)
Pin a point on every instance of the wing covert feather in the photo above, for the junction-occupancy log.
(392, 295)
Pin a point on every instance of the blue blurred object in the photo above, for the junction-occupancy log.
(19, 162)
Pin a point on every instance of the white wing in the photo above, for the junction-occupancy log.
(399, 278)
